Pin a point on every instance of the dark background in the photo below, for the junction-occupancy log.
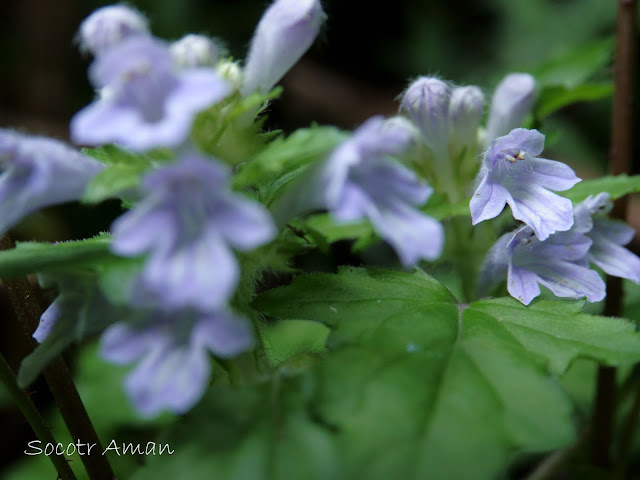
(364, 58)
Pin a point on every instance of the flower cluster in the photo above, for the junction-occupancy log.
(187, 222)
(186, 236)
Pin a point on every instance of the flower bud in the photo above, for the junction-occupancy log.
(231, 72)
(285, 32)
(465, 114)
(109, 25)
(511, 103)
(426, 101)
(194, 51)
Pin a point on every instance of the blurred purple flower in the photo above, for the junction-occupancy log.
(108, 26)
(188, 221)
(36, 172)
(513, 173)
(285, 32)
(608, 237)
(145, 100)
(194, 51)
(172, 353)
(359, 180)
(465, 115)
(512, 101)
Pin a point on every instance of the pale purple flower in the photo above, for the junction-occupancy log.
(145, 100)
(426, 102)
(558, 263)
(171, 351)
(608, 237)
(194, 51)
(37, 172)
(108, 26)
(512, 101)
(285, 32)
(512, 173)
(360, 181)
(188, 222)
(465, 114)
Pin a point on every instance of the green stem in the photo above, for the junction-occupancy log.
(464, 256)
(28, 306)
(31, 413)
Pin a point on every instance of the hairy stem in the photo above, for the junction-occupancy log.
(31, 413)
(621, 156)
(28, 306)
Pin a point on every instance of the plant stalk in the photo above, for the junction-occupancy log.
(31, 413)
(28, 306)
(622, 129)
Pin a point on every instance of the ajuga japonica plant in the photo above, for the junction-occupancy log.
(214, 333)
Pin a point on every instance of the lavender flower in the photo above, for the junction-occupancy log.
(426, 102)
(108, 26)
(145, 102)
(359, 180)
(465, 114)
(513, 173)
(285, 31)
(559, 263)
(511, 103)
(187, 222)
(194, 51)
(36, 172)
(608, 237)
(171, 349)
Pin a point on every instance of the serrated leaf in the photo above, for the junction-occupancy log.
(285, 158)
(31, 257)
(616, 186)
(553, 98)
(257, 433)
(409, 367)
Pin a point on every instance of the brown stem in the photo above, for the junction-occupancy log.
(621, 157)
(28, 306)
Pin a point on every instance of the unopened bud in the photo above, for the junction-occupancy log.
(465, 114)
(285, 32)
(108, 26)
(426, 102)
(231, 72)
(511, 103)
(194, 51)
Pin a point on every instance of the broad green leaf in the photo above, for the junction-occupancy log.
(285, 158)
(575, 67)
(553, 98)
(616, 186)
(294, 339)
(31, 257)
(259, 433)
(408, 366)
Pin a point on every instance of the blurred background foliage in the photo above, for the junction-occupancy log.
(363, 60)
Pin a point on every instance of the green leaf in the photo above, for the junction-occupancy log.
(113, 182)
(284, 159)
(408, 365)
(258, 433)
(31, 257)
(616, 186)
(553, 98)
(577, 66)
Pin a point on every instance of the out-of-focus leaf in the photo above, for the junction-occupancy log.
(553, 98)
(616, 186)
(575, 67)
(31, 257)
